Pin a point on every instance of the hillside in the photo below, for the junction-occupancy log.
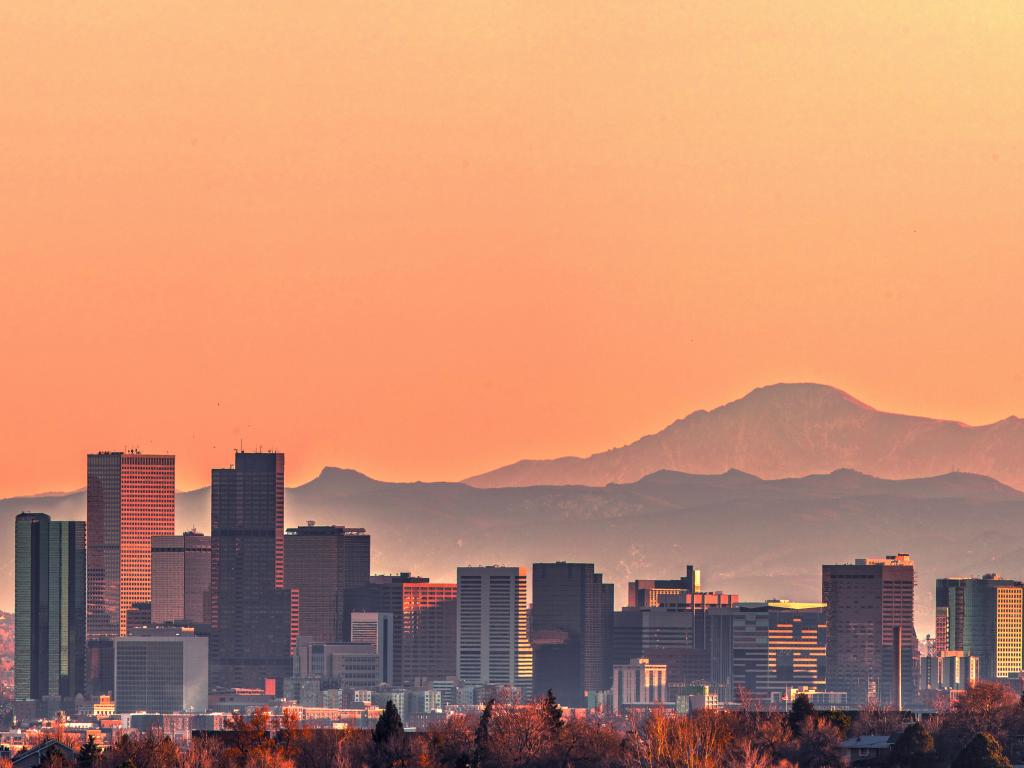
(791, 430)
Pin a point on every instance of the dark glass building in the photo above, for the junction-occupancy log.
(323, 562)
(982, 617)
(250, 608)
(571, 630)
(49, 611)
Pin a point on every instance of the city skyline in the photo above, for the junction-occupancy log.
(647, 374)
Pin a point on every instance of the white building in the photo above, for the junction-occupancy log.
(493, 645)
(378, 630)
(639, 683)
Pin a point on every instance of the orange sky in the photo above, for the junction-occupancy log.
(427, 239)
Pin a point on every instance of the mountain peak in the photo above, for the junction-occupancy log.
(791, 429)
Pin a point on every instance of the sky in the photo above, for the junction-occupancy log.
(424, 240)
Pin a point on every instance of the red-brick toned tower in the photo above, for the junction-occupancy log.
(429, 623)
(129, 500)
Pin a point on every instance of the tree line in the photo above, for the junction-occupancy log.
(980, 731)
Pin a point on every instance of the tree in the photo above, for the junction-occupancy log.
(390, 747)
(483, 733)
(450, 742)
(913, 749)
(88, 753)
(800, 712)
(552, 711)
(983, 751)
(389, 725)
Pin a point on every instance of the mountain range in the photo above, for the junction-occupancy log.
(791, 430)
(760, 530)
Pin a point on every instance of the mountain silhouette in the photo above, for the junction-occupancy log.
(791, 430)
(759, 538)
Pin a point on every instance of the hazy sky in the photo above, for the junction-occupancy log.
(426, 239)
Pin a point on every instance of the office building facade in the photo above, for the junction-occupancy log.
(639, 684)
(647, 593)
(872, 645)
(181, 580)
(49, 612)
(427, 632)
(324, 563)
(378, 631)
(161, 670)
(762, 650)
(252, 612)
(571, 631)
(982, 617)
(493, 638)
(129, 500)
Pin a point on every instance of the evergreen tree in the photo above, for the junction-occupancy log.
(389, 726)
(88, 753)
(799, 712)
(482, 733)
(552, 711)
(914, 748)
(983, 751)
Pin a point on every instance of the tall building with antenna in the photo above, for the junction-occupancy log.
(252, 612)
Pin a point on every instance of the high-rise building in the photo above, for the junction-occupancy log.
(764, 649)
(673, 628)
(377, 630)
(493, 639)
(129, 500)
(571, 631)
(647, 593)
(427, 631)
(181, 580)
(982, 617)
(161, 670)
(424, 622)
(324, 562)
(867, 602)
(251, 610)
(49, 612)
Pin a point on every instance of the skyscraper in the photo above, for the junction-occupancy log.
(129, 500)
(493, 641)
(983, 618)
(49, 612)
(765, 648)
(324, 562)
(571, 629)
(867, 602)
(181, 580)
(251, 609)
(428, 631)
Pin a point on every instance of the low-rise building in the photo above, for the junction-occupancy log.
(161, 670)
(638, 684)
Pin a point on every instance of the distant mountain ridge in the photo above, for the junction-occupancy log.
(790, 430)
(759, 538)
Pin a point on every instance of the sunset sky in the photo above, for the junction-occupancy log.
(423, 240)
